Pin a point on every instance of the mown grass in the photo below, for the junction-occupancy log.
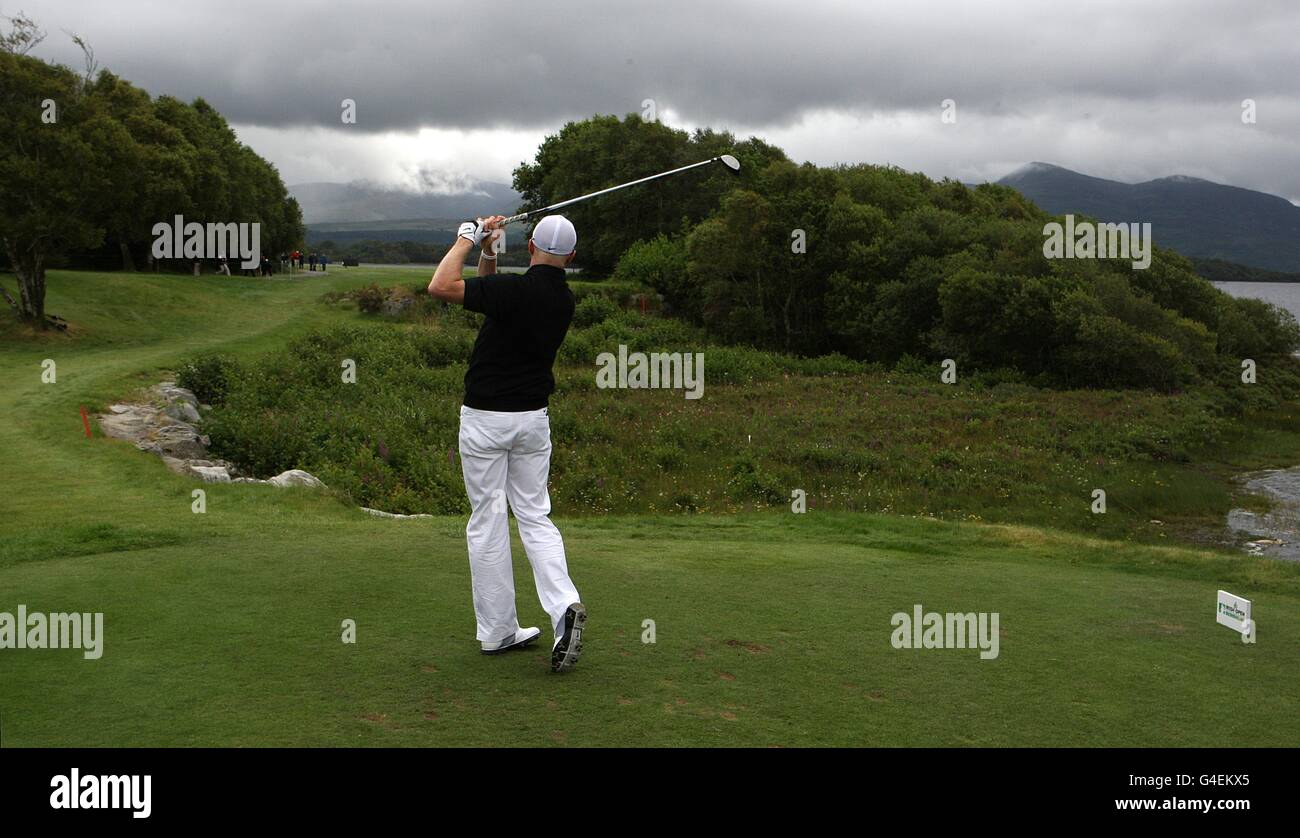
(771, 628)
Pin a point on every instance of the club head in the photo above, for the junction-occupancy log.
(732, 164)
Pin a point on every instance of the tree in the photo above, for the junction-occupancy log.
(604, 151)
(51, 172)
(22, 37)
(89, 157)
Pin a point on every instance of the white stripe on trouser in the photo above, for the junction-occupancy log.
(506, 457)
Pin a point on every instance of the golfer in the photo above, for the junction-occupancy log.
(505, 431)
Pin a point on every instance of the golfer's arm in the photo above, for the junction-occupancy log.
(448, 283)
(486, 266)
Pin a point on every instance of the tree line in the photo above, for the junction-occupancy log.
(879, 264)
(90, 162)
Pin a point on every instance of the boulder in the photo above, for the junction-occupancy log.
(170, 393)
(176, 439)
(172, 433)
(130, 425)
(183, 412)
(295, 477)
(393, 306)
(210, 474)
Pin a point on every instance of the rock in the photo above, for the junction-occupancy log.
(393, 306)
(296, 477)
(177, 440)
(381, 514)
(131, 425)
(172, 433)
(211, 474)
(184, 412)
(170, 393)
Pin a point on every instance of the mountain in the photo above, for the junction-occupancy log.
(362, 201)
(1196, 217)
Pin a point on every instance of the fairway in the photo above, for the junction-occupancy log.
(770, 629)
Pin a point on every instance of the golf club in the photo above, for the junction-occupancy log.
(732, 164)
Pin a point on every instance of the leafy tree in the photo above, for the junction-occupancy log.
(52, 174)
(110, 164)
(604, 151)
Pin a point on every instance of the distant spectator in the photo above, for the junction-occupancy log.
(222, 268)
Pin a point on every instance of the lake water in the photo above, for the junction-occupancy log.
(1277, 532)
(1285, 294)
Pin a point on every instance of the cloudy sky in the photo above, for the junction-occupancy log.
(446, 91)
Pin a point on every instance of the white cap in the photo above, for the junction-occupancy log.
(555, 235)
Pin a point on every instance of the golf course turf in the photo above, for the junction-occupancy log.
(770, 629)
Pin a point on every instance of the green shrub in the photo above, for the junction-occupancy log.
(660, 263)
(832, 364)
(592, 310)
(208, 377)
(1249, 328)
(913, 366)
(371, 298)
(737, 365)
(990, 445)
(748, 482)
(617, 292)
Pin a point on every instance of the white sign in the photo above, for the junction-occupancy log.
(1234, 612)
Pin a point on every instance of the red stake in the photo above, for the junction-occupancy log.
(85, 421)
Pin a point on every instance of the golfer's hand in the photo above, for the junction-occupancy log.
(473, 231)
(493, 231)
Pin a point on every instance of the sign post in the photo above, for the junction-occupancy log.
(1234, 612)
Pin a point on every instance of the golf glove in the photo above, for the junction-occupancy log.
(472, 230)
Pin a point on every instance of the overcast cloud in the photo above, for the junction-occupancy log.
(1128, 90)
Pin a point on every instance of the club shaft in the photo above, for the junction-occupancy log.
(524, 215)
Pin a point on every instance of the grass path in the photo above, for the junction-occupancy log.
(223, 628)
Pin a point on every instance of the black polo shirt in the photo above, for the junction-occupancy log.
(527, 317)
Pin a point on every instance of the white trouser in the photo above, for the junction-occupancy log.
(506, 458)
